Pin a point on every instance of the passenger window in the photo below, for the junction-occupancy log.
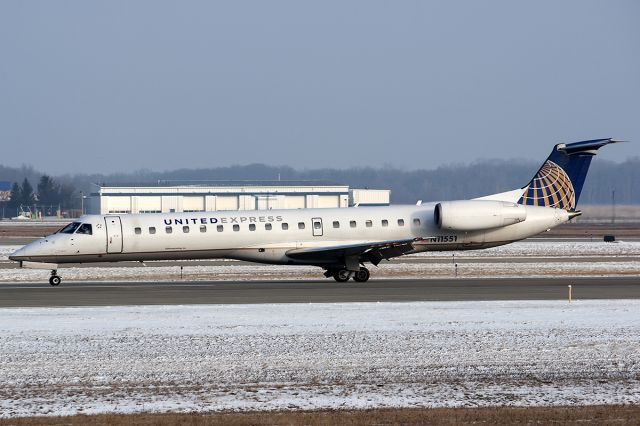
(85, 228)
(336, 224)
(185, 229)
(267, 226)
(168, 229)
(285, 226)
(369, 224)
(138, 231)
(300, 225)
(400, 222)
(385, 222)
(220, 228)
(317, 225)
(236, 228)
(416, 222)
(252, 227)
(152, 230)
(352, 223)
(203, 228)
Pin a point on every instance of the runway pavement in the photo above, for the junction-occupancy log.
(326, 291)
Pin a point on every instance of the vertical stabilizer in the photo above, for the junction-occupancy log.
(559, 181)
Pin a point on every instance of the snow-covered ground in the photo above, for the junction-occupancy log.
(294, 356)
(528, 258)
(244, 272)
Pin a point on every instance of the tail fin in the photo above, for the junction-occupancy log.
(559, 181)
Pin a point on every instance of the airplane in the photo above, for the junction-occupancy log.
(339, 240)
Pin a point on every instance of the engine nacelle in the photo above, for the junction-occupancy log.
(476, 215)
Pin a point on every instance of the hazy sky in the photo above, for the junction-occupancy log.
(123, 85)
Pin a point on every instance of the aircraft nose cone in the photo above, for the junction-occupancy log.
(19, 254)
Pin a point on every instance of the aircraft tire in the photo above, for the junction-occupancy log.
(54, 280)
(341, 275)
(362, 275)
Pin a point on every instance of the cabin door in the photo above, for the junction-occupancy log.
(114, 234)
(316, 225)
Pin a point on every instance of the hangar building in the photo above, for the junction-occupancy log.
(168, 197)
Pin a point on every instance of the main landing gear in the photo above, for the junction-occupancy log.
(54, 279)
(343, 275)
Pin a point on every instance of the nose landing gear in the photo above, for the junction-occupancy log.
(54, 279)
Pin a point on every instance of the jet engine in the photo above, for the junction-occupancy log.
(477, 215)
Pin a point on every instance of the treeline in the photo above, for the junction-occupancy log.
(48, 198)
(48, 193)
(457, 181)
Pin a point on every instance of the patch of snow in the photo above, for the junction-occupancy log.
(251, 272)
(294, 356)
(548, 249)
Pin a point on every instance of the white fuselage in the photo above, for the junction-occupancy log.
(267, 236)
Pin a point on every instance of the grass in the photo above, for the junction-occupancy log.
(589, 415)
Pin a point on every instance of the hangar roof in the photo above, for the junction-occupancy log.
(218, 183)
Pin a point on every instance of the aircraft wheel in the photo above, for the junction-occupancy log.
(341, 275)
(54, 280)
(362, 275)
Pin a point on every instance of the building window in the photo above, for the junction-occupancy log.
(252, 227)
(220, 228)
(168, 229)
(336, 224)
(400, 222)
(203, 228)
(369, 224)
(385, 222)
(185, 229)
(300, 225)
(267, 226)
(285, 226)
(138, 231)
(352, 224)
(152, 230)
(236, 228)
(416, 222)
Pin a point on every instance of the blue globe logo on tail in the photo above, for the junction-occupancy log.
(550, 187)
(559, 181)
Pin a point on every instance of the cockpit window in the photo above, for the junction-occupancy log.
(85, 228)
(70, 228)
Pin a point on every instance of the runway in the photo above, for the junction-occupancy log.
(325, 291)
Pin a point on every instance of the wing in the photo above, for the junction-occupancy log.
(374, 252)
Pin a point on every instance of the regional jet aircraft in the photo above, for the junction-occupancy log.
(341, 241)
